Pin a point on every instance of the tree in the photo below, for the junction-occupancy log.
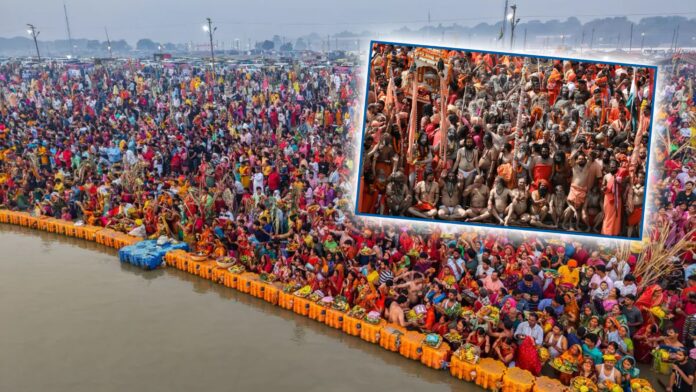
(146, 44)
(120, 46)
(267, 45)
(300, 44)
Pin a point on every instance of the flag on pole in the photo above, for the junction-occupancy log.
(412, 117)
(631, 103)
(391, 96)
(444, 123)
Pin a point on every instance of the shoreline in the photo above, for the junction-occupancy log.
(487, 373)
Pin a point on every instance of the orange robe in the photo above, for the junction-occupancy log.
(612, 208)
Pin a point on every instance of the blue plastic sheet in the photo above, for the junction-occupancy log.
(147, 254)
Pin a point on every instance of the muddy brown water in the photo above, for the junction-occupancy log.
(72, 318)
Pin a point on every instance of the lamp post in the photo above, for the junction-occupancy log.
(513, 23)
(210, 30)
(32, 31)
(642, 41)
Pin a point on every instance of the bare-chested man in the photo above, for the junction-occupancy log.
(540, 207)
(398, 195)
(498, 201)
(541, 166)
(467, 161)
(558, 204)
(383, 157)
(634, 203)
(427, 193)
(451, 195)
(487, 162)
(592, 213)
(578, 189)
(413, 283)
(517, 211)
(477, 193)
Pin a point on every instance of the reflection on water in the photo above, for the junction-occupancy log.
(72, 318)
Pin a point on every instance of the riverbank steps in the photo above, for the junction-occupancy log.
(488, 373)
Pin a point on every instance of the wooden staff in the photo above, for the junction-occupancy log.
(412, 116)
(443, 116)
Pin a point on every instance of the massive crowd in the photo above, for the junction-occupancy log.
(506, 140)
(255, 164)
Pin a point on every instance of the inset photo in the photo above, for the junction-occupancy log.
(506, 140)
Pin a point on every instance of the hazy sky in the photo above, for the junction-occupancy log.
(182, 21)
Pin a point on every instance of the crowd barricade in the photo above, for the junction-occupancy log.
(462, 369)
(244, 282)
(489, 373)
(107, 237)
(334, 318)
(301, 306)
(547, 384)
(257, 288)
(436, 357)
(231, 280)
(351, 325)
(317, 312)
(286, 300)
(271, 293)
(518, 380)
(372, 332)
(389, 336)
(411, 345)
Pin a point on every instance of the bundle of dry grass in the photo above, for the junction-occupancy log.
(658, 259)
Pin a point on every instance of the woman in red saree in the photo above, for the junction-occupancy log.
(527, 357)
(645, 340)
(653, 296)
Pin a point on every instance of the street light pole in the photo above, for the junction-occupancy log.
(642, 41)
(34, 34)
(513, 24)
(592, 38)
(210, 36)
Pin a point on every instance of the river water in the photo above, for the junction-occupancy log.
(72, 318)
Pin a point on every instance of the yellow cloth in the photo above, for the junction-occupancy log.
(567, 275)
(373, 277)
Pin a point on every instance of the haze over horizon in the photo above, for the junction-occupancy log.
(179, 22)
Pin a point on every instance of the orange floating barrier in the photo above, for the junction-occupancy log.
(171, 257)
(15, 217)
(70, 229)
(218, 275)
(435, 357)
(25, 219)
(390, 336)
(489, 373)
(461, 369)
(4, 216)
(351, 325)
(518, 380)
(206, 268)
(231, 280)
(317, 312)
(372, 332)
(301, 305)
(244, 282)
(546, 384)
(271, 293)
(411, 345)
(257, 288)
(285, 300)
(334, 318)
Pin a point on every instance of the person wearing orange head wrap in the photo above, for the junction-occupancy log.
(568, 274)
(540, 205)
